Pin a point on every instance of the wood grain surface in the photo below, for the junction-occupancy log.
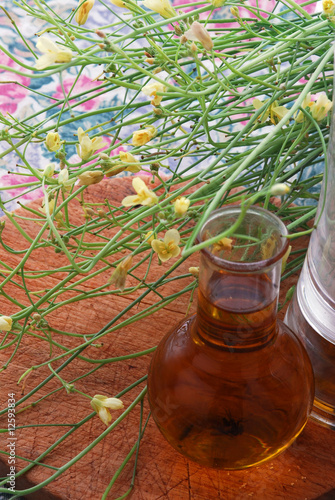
(305, 471)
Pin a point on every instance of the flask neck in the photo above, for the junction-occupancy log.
(237, 311)
(239, 278)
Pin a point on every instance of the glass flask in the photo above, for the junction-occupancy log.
(232, 386)
(312, 310)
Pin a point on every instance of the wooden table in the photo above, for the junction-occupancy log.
(305, 471)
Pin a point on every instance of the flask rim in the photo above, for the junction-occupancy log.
(239, 266)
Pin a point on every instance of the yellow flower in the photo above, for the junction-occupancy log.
(119, 276)
(181, 206)
(275, 112)
(52, 53)
(328, 7)
(162, 7)
(320, 107)
(49, 170)
(218, 3)
(268, 247)
(150, 236)
(51, 205)
(87, 146)
(223, 244)
(167, 248)
(119, 3)
(279, 189)
(151, 89)
(6, 323)
(198, 33)
(83, 11)
(102, 405)
(90, 177)
(64, 181)
(307, 102)
(284, 259)
(144, 195)
(129, 158)
(52, 141)
(143, 136)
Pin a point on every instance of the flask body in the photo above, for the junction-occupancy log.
(232, 387)
(312, 310)
(321, 351)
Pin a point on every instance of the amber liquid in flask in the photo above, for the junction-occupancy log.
(232, 387)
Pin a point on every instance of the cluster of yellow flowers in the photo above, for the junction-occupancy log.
(318, 109)
(57, 54)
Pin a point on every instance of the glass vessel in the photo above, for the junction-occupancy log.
(312, 310)
(232, 386)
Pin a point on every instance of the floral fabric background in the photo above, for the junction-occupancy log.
(17, 100)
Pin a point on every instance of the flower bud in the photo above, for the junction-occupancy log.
(90, 177)
(178, 30)
(6, 323)
(63, 176)
(194, 271)
(279, 189)
(49, 170)
(103, 156)
(101, 34)
(119, 276)
(181, 206)
(83, 11)
(235, 12)
(198, 33)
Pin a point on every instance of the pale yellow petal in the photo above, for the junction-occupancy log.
(104, 415)
(151, 199)
(257, 104)
(98, 143)
(139, 184)
(63, 56)
(80, 134)
(172, 235)
(45, 61)
(129, 201)
(113, 403)
(46, 45)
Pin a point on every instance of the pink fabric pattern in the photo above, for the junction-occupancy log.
(82, 85)
(11, 93)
